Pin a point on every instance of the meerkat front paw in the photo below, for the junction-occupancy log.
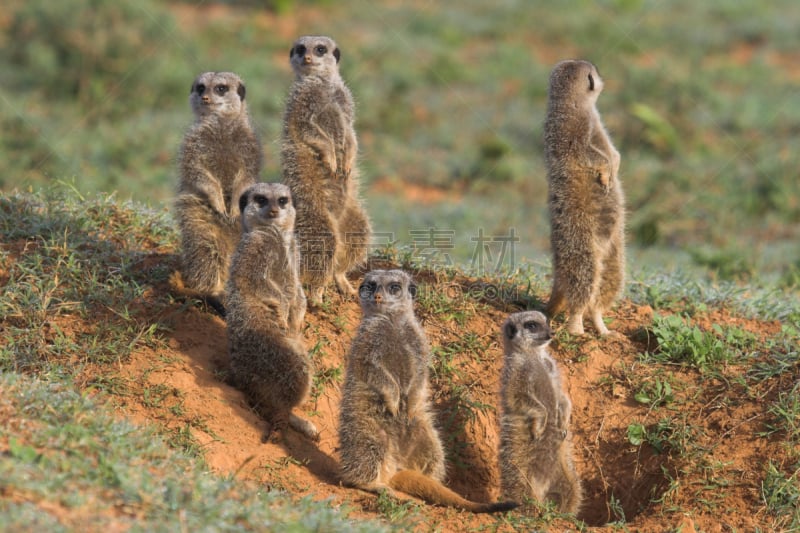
(537, 426)
(329, 159)
(344, 286)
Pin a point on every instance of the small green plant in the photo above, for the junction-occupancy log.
(785, 414)
(781, 495)
(324, 377)
(395, 511)
(615, 506)
(655, 393)
(666, 434)
(681, 343)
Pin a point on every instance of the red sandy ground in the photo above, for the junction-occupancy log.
(600, 375)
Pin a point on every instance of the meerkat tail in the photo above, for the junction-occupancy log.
(431, 491)
(177, 286)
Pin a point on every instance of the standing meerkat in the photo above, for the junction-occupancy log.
(535, 453)
(386, 432)
(585, 199)
(265, 310)
(220, 157)
(318, 158)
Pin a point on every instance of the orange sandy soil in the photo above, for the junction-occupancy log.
(183, 386)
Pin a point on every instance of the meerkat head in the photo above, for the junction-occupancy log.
(217, 93)
(575, 80)
(314, 54)
(267, 204)
(386, 292)
(525, 331)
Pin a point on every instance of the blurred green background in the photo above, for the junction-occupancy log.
(701, 99)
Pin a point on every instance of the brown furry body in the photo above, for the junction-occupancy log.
(535, 451)
(585, 199)
(220, 156)
(265, 310)
(386, 431)
(318, 157)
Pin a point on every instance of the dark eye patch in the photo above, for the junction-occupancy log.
(395, 288)
(532, 325)
(300, 50)
(200, 88)
(283, 201)
(221, 89)
(260, 200)
(510, 330)
(321, 50)
(367, 289)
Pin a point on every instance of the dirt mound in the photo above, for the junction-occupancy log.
(183, 386)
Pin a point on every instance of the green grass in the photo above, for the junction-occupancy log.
(679, 342)
(72, 465)
(692, 90)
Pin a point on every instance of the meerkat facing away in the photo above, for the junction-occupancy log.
(535, 454)
(318, 155)
(220, 156)
(265, 310)
(386, 432)
(585, 199)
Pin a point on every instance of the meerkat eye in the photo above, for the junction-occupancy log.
(367, 288)
(300, 50)
(591, 82)
(200, 89)
(283, 200)
(221, 89)
(531, 325)
(395, 288)
(260, 200)
(321, 50)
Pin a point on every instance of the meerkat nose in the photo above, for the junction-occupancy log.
(307, 60)
(378, 297)
(273, 213)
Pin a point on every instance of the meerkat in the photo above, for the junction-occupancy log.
(586, 204)
(318, 157)
(265, 310)
(386, 432)
(535, 453)
(220, 156)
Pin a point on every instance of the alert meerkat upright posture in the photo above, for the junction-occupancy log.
(265, 310)
(220, 157)
(535, 453)
(386, 432)
(318, 157)
(585, 199)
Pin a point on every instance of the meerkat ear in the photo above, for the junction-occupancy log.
(191, 89)
(412, 290)
(591, 82)
(337, 54)
(291, 52)
(240, 90)
(510, 330)
(242, 202)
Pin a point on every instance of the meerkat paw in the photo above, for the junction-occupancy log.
(378, 487)
(330, 161)
(304, 427)
(604, 179)
(344, 286)
(599, 325)
(538, 425)
(575, 324)
(315, 296)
